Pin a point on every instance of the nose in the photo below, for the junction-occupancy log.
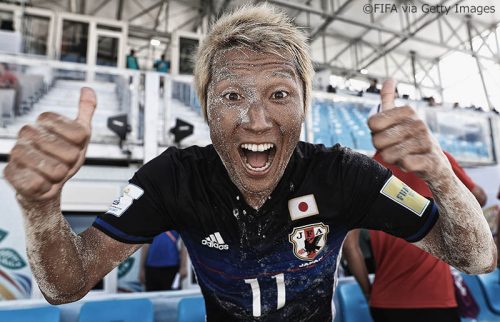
(257, 119)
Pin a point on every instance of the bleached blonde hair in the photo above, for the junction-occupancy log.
(262, 28)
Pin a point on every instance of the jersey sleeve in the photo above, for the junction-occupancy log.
(376, 199)
(146, 206)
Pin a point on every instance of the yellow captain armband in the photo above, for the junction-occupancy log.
(399, 192)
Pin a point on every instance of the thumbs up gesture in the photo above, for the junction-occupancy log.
(50, 152)
(403, 139)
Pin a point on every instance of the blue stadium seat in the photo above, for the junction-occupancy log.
(352, 304)
(191, 309)
(133, 310)
(31, 314)
(485, 314)
(490, 285)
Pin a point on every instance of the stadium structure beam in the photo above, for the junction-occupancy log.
(119, 10)
(404, 39)
(414, 74)
(328, 20)
(99, 7)
(72, 6)
(147, 33)
(145, 11)
(479, 66)
(453, 30)
(399, 66)
(223, 8)
(370, 44)
(440, 79)
(426, 71)
(484, 41)
(419, 59)
(348, 73)
(83, 4)
(157, 18)
(497, 42)
(402, 35)
(455, 15)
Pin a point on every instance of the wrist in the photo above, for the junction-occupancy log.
(39, 209)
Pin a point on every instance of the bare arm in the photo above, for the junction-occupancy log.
(461, 236)
(142, 266)
(356, 261)
(480, 195)
(183, 267)
(46, 155)
(67, 266)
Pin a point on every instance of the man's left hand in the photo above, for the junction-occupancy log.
(403, 139)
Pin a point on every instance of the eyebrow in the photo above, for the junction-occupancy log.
(224, 74)
(283, 74)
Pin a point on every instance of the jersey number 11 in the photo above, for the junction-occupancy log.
(254, 284)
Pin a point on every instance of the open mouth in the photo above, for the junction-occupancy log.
(257, 157)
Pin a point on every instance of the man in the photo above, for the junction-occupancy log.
(373, 86)
(7, 79)
(263, 216)
(162, 65)
(132, 62)
(162, 261)
(410, 284)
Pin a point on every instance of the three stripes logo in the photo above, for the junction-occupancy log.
(215, 241)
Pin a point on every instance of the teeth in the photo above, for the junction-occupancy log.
(259, 169)
(257, 147)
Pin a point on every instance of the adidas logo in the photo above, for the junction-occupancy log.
(215, 241)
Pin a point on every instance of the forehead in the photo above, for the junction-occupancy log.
(238, 61)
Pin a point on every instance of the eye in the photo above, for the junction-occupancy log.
(232, 96)
(279, 95)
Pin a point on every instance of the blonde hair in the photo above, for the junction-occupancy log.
(261, 28)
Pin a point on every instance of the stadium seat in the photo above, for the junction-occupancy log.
(191, 309)
(352, 304)
(485, 314)
(38, 314)
(490, 286)
(134, 310)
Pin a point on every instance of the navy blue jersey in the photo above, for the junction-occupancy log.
(277, 263)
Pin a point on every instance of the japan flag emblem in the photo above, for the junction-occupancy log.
(302, 207)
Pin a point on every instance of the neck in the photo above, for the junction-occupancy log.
(256, 200)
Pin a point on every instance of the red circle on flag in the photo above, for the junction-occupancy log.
(303, 206)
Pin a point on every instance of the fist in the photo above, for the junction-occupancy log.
(50, 152)
(403, 139)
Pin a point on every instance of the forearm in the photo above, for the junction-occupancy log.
(144, 254)
(461, 236)
(360, 273)
(356, 261)
(356, 264)
(54, 252)
(183, 266)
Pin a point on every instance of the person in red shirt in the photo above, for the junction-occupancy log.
(7, 79)
(410, 284)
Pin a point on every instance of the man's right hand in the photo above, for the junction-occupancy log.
(49, 153)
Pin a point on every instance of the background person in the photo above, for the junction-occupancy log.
(373, 86)
(410, 284)
(7, 79)
(162, 65)
(162, 261)
(132, 62)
